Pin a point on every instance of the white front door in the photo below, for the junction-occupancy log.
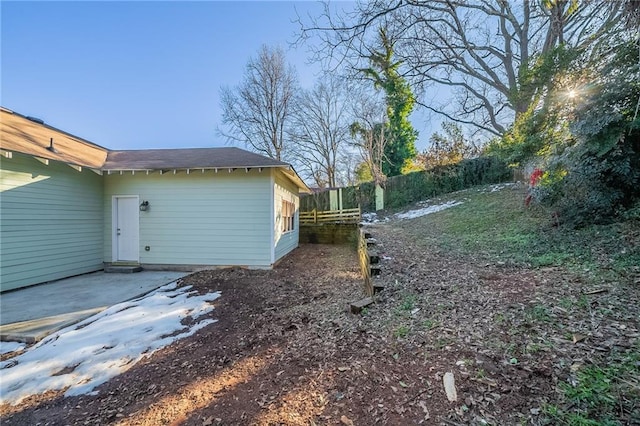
(125, 229)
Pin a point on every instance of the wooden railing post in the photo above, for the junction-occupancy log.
(365, 266)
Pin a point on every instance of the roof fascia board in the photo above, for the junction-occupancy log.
(291, 174)
(288, 171)
(260, 168)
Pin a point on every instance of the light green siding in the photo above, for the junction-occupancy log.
(285, 190)
(197, 218)
(51, 220)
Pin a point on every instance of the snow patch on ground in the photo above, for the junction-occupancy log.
(7, 347)
(412, 214)
(85, 355)
(497, 187)
(372, 218)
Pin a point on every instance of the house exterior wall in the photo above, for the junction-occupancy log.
(209, 218)
(51, 220)
(285, 190)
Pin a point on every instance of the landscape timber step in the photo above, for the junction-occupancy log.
(357, 307)
(117, 269)
(367, 235)
(377, 288)
(374, 257)
(375, 270)
(371, 242)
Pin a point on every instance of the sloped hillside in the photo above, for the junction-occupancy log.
(539, 323)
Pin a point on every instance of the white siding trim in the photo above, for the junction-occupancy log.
(285, 190)
(272, 208)
(114, 219)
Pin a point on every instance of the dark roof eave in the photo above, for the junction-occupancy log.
(287, 170)
(153, 169)
(7, 153)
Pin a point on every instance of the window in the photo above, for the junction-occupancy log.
(288, 216)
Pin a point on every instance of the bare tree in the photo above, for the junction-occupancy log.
(257, 112)
(449, 147)
(347, 164)
(478, 49)
(320, 130)
(369, 133)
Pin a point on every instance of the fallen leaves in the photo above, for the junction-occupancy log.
(346, 421)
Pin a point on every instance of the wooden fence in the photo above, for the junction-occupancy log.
(350, 197)
(330, 216)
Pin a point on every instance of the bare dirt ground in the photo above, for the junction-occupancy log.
(286, 349)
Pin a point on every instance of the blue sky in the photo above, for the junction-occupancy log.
(136, 75)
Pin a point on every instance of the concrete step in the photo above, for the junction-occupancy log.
(118, 269)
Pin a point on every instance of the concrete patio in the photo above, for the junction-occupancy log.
(29, 314)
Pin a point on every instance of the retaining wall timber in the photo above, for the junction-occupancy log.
(329, 233)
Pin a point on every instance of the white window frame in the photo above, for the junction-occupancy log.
(288, 215)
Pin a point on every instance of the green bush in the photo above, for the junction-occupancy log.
(597, 189)
(405, 189)
(589, 143)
